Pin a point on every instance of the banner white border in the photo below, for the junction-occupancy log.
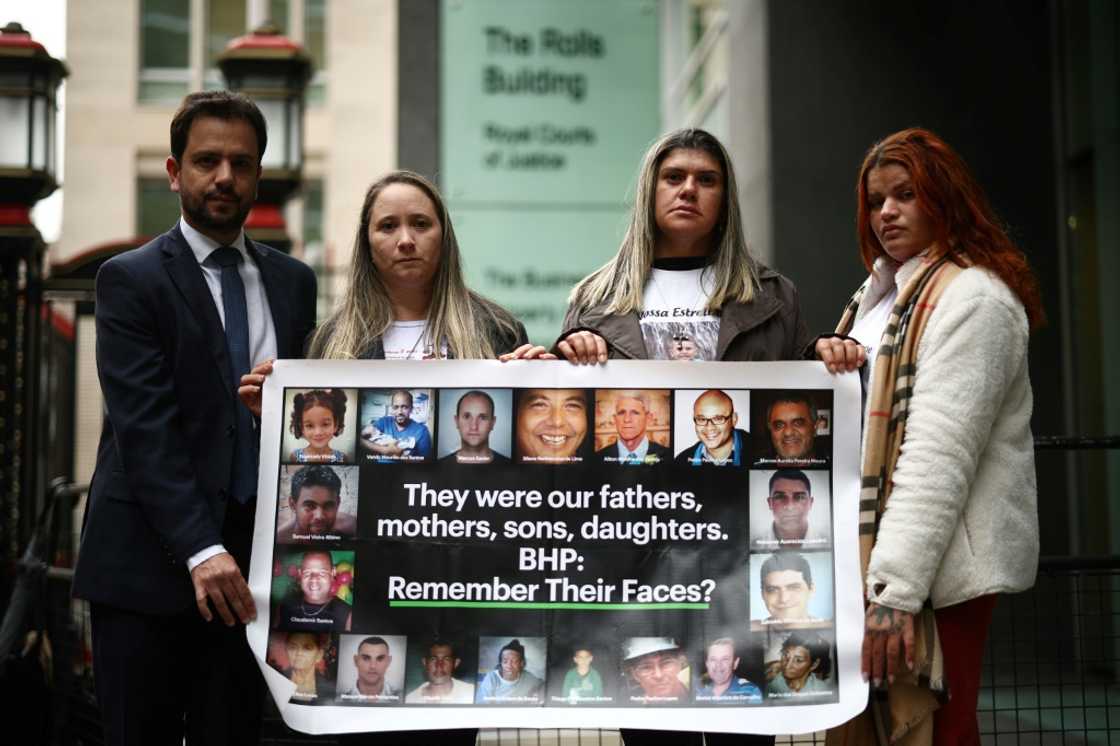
(781, 719)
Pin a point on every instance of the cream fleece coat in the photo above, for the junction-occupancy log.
(962, 519)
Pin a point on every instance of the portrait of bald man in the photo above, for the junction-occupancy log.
(715, 420)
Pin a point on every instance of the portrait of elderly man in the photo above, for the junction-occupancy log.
(792, 518)
(631, 417)
(791, 421)
(551, 425)
(440, 686)
(474, 420)
(314, 510)
(719, 683)
(316, 608)
(396, 436)
(720, 442)
(656, 669)
(372, 661)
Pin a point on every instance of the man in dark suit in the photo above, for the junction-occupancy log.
(168, 528)
(632, 418)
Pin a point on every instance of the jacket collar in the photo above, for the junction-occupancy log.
(182, 265)
(625, 331)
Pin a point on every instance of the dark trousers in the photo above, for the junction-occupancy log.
(162, 678)
(632, 737)
(159, 679)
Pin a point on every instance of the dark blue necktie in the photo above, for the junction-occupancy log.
(243, 483)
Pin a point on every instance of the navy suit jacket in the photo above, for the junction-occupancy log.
(165, 457)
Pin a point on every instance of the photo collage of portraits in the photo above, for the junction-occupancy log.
(773, 643)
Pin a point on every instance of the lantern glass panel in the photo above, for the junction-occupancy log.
(39, 114)
(15, 79)
(256, 81)
(273, 110)
(295, 136)
(14, 123)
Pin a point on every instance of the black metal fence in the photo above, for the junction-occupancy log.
(1051, 674)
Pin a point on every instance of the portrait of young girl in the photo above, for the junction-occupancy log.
(318, 420)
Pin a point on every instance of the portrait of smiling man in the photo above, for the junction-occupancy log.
(396, 436)
(551, 425)
(720, 442)
(315, 608)
(791, 421)
(789, 594)
(631, 417)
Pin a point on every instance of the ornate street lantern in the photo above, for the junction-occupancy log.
(29, 80)
(272, 70)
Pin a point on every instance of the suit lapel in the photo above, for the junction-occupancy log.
(187, 276)
(276, 290)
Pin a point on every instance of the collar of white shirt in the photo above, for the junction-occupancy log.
(202, 246)
(638, 454)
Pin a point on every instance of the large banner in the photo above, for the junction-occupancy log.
(640, 544)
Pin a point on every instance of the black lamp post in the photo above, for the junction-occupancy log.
(273, 70)
(29, 81)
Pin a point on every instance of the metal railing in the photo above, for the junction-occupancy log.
(1051, 673)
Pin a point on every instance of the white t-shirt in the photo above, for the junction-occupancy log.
(675, 322)
(868, 331)
(408, 340)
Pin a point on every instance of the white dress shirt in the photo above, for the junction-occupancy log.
(262, 332)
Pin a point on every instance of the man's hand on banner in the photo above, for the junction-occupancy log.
(887, 633)
(251, 384)
(219, 581)
(528, 351)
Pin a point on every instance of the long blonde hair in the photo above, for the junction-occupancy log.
(620, 281)
(365, 311)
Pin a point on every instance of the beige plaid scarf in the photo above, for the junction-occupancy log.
(901, 714)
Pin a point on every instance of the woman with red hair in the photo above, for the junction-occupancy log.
(948, 504)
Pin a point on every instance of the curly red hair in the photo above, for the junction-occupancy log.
(949, 194)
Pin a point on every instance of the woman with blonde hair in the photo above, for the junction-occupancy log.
(949, 517)
(407, 300)
(683, 284)
(407, 297)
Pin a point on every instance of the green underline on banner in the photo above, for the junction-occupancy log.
(546, 605)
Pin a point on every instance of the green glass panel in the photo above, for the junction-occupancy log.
(162, 91)
(278, 14)
(315, 33)
(546, 110)
(165, 27)
(225, 19)
(157, 207)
